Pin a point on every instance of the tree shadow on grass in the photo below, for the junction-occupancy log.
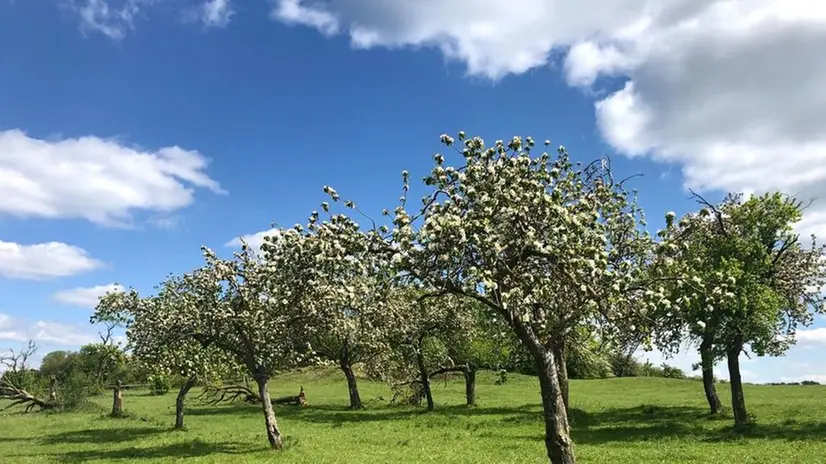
(108, 435)
(654, 423)
(221, 410)
(188, 449)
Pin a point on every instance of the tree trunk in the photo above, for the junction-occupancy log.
(424, 378)
(562, 369)
(738, 401)
(470, 384)
(179, 401)
(117, 400)
(53, 389)
(352, 385)
(707, 359)
(273, 434)
(557, 431)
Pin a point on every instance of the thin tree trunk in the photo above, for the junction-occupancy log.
(562, 368)
(179, 401)
(424, 378)
(738, 400)
(557, 431)
(352, 385)
(470, 384)
(53, 389)
(707, 359)
(273, 434)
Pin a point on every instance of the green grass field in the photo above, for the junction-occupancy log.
(630, 420)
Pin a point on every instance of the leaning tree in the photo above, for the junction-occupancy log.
(742, 278)
(258, 312)
(520, 234)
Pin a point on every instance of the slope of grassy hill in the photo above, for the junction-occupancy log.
(630, 420)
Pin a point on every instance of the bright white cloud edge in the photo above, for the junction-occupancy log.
(86, 297)
(43, 261)
(100, 180)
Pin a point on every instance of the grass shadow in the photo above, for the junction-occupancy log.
(188, 449)
(109, 435)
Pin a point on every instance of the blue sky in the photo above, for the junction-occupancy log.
(134, 131)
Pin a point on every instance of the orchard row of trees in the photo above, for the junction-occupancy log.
(508, 249)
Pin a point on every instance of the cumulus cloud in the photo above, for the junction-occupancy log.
(97, 179)
(43, 260)
(43, 332)
(728, 89)
(86, 296)
(253, 240)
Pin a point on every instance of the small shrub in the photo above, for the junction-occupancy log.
(75, 390)
(159, 384)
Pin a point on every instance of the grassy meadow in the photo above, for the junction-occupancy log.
(625, 420)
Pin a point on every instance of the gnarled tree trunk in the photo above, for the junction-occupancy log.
(738, 400)
(562, 369)
(273, 434)
(179, 401)
(557, 431)
(117, 400)
(707, 361)
(352, 384)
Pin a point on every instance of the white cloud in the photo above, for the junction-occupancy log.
(43, 260)
(253, 240)
(44, 332)
(100, 180)
(811, 337)
(216, 13)
(100, 16)
(86, 296)
(296, 12)
(729, 89)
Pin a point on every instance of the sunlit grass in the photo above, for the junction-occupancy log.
(635, 420)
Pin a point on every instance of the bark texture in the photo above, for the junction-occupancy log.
(562, 370)
(179, 401)
(707, 360)
(470, 384)
(352, 385)
(117, 400)
(738, 400)
(557, 431)
(273, 433)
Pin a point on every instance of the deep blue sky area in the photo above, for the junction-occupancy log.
(279, 109)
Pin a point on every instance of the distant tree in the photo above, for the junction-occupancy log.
(160, 340)
(420, 342)
(353, 285)
(58, 364)
(742, 278)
